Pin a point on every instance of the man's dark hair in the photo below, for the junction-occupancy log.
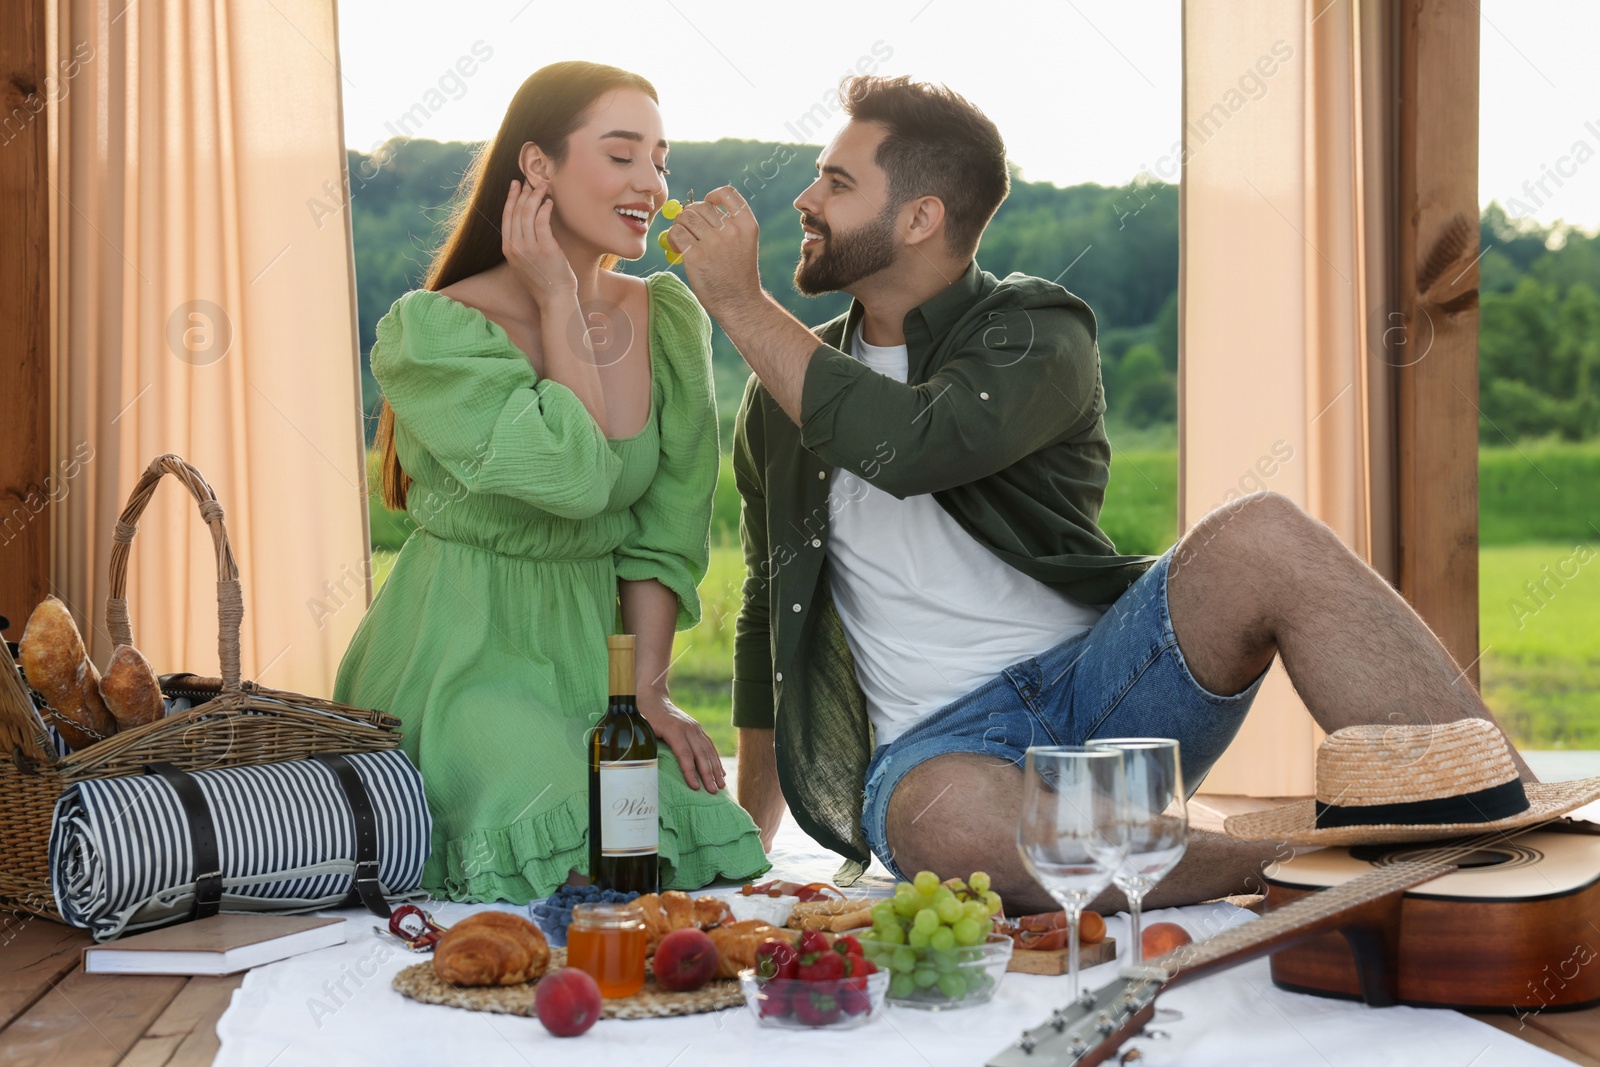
(938, 144)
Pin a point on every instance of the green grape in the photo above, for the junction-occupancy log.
(906, 906)
(661, 239)
(670, 209)
(904, 889)
(925, 976)
(944, 893)
(979, 883)
(992, 899)
(944, 960)
(953, 986)
(956, 886)
(884, 910)
(927, 920)
(894, 935)
(904, 959)
(926, 881)
(948, 909)
(917, 938)
(902, 985)
(978, 979)
(942, 938)
(967, 931)
(976, 910)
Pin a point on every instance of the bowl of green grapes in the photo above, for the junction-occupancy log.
(937, 941)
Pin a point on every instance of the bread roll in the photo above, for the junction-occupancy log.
(130, 689)
(673, 910)
(491, 948)
(737, 943)
(54, 660)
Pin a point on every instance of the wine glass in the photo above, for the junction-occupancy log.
(1068, 832)
(1157, 821)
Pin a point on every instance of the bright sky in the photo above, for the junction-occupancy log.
(1082, 90)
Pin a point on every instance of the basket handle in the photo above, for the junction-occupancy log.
(230, 603)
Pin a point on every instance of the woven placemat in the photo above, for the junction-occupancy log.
(420, 982)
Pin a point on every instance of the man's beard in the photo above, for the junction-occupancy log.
(845, 259)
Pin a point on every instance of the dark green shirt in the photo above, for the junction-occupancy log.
(1000, 419)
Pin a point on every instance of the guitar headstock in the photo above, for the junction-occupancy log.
(1090, 1029)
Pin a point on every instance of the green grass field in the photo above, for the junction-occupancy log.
(1540, 517)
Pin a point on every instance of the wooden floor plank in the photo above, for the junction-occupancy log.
(1579, 1029)
(87, 1020)
(186, 1033)
(1533, 1035)
(34, 953)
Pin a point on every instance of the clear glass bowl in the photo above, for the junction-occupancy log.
(833, 1005)
(937, 979)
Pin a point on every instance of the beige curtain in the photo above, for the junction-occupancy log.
(204, 305)
(1286, 340)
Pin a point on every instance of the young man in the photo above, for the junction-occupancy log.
(928, 591)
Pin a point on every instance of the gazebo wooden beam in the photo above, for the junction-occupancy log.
(1437, 280)
(25, 280)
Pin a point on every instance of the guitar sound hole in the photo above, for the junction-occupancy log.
(1502, 855)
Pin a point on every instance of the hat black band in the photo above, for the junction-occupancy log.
(1486, 805)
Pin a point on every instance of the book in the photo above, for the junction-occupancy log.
(222, 944)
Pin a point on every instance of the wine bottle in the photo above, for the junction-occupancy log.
(624, 827)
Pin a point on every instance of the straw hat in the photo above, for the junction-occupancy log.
(1377, 784)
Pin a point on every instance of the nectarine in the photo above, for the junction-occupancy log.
(567, 1002)
(1160, 938)
(686, 959)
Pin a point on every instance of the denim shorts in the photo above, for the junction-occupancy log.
(1123, 677)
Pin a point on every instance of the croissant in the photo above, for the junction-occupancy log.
(673, 910)
(491, 948)
(737, 942)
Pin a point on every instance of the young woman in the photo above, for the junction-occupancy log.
(550, 427)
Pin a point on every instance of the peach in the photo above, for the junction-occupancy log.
(567, 1002)
(1160, 938)
(686, 959)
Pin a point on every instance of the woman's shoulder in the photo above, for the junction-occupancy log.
(440, 321)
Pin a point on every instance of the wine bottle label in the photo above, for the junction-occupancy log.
(628, 806)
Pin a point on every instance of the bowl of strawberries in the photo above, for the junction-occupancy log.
(821, 983)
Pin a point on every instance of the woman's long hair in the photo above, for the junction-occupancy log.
(548, 107)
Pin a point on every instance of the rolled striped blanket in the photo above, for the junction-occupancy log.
(122, 850)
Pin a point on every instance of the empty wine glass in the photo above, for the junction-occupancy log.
(1157, 821)
(1072, 813)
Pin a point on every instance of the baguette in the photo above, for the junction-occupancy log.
(54, 660)
(832, 915)
(130, 689)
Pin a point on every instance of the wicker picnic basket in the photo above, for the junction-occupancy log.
(232, 723)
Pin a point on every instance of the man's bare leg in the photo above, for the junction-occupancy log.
(1253, 579)
(1260, 575)
(957, 814)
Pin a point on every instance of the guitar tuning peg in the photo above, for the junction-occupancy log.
(1155, 1035)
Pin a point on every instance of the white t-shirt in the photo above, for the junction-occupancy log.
(928, 612)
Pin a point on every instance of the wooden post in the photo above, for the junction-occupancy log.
(1437, 290)
(25, 279)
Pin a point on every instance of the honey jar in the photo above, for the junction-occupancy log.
(608, 942)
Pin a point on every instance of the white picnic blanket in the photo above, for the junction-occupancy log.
(336, 1006)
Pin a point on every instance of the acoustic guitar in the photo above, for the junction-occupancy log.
(1500, 922)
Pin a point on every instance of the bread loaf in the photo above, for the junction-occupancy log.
(737, 943)
(56, 664)
(491, 948)
(130, 688)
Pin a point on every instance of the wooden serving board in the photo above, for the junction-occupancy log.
(1032, 961)
(421, 983)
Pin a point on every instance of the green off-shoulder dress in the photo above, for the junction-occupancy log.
(488, 639)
